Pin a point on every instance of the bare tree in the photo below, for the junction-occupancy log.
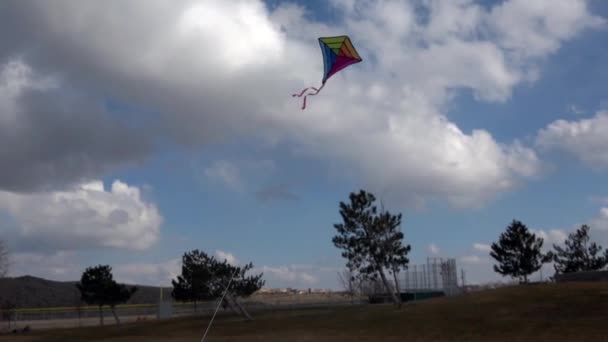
(4, 259)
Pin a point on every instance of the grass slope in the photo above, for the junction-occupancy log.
(555, 312)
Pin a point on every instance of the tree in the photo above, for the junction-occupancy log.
(232, 279)
(579, 254)
(193, 284)
(348, 280)
(97, 287)
(518, 252)
(4, 259)
(371, 241)
(206, 278)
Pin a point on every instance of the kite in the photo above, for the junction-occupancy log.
(338, 53)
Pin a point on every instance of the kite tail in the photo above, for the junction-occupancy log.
(316, 91)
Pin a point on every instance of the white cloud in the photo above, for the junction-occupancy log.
(85, 217)
(586, 139)
(244, 35)
(574, 109)
(288, 275)
(229, 257)
(433, 249)
(473, 259)
(208, 87)
(300, 275)
(15, 78)
(537, 28)
(238, 174)
(553, 236)
(599, 227)
(225, 172)
(460, 18)
(153, 274)
(600, 222)
(481, 247)
(59, 265)
(56, 138)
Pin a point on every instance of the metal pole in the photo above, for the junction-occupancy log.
(435, 285)
(463, 281)
(218, 306)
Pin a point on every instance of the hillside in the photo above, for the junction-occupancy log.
(32, 292)
(550, 312)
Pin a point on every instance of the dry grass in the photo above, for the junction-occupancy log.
(557, 312)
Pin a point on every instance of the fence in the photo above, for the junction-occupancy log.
(437, 274)
(89, 315)
(582, 276)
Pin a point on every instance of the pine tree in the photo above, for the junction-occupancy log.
(579, 254)
(206, 278)
(193, 285)
(518, 252)
(371, 242)
(97, 287)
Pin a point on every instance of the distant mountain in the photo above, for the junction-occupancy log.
(33, 292)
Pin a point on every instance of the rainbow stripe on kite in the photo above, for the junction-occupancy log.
(338, 53)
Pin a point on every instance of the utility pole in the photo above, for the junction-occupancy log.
(463, 278)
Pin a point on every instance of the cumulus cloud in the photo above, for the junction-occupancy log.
(225, 172)
(481, 247)
(375, 114)
(550, 237)
(585, 139)
(237, 174)
(153, 274)
(537, 28)
(433, 249)
(58, 265)
(229, 257)
(289, 275)
(473, 259)
(56, 138)
(601, 220)
(83, 217)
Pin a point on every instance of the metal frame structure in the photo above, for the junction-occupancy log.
(437, 274)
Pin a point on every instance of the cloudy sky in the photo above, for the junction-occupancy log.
(133, 131)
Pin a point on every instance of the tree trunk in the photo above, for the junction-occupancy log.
(115, 316)
(396, 300)
(397, 289)
(100, 316)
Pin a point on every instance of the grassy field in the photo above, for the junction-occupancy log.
(556, 312)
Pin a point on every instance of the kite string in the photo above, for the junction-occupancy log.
(310, 94)
(218, 305)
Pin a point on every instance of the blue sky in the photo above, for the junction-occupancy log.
(452, 119)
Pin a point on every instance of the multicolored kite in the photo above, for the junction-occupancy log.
(338, 53)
